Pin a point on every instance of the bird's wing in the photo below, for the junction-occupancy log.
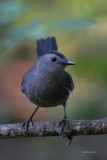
(67, 82)
(44, 45)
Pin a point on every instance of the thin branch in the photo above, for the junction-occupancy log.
(42, 129)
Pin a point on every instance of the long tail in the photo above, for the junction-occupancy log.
(44, 45)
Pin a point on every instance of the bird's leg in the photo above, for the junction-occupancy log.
(26, 123)
(64, 122)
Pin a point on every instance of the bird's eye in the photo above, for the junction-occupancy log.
(53, 59)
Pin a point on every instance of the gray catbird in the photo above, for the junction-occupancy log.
(46, 84)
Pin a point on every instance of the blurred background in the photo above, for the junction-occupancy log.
(80, 28)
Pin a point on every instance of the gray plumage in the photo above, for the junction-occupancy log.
(46, 84)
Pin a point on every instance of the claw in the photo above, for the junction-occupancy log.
(25, 125)
(69, 139)
(65, 123)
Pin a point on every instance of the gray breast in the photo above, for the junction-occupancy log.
(45, 91)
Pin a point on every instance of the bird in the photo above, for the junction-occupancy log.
(46, 83)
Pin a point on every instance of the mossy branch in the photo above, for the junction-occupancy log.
(52, 128)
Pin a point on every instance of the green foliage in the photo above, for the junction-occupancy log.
(19, 22)
(9, 11)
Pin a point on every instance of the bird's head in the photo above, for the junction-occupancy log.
(53, 62)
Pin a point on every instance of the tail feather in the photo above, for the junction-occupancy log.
(44, 45)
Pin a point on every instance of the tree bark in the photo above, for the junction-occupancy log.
(52, 128)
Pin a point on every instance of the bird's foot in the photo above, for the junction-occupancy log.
(64, 123)
(26, 124)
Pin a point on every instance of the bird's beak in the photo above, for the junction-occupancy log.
(69, 63)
